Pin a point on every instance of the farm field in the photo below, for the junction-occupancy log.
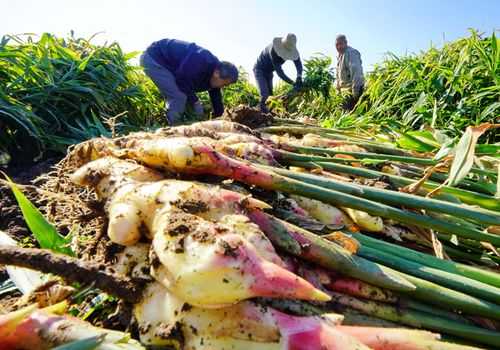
(306, 227)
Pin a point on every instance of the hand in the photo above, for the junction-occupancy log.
(174, 118)
(198, 108)
(298, 83)
(356, 93)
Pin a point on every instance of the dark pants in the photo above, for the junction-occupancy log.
(265, 85)
(351, 100)
(165, 81)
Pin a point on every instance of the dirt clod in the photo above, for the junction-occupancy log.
(251, 117)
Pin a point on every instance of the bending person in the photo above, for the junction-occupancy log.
(270, 60)
(181, 69)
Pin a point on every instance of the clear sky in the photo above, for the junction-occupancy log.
(237, 30)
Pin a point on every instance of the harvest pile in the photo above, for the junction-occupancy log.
(291, 236)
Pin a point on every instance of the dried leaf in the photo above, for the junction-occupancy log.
(394, 232)
(344, 241)
(437, 246)
(494, 229)
(429, 236)
(445, 150)
(415, 187)
(464, 153)
(497, 195)
(491, 248)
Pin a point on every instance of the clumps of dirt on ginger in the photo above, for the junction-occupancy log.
(251, 117)
(71, 209)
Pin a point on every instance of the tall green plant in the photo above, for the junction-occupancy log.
(446, 88)
(57, 91)
(316, 98)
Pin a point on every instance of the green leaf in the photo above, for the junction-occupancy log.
(95, 304)
(434, 115)
(464, 153)
(44, 232)
(410, 115)
(83, 344)
(490, 110)
(130, 55)
(83, 64)
(497, 195)
(492, 150)
(421, 141)
(372, 161)
(445, 150)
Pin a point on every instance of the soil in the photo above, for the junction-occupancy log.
(251, 117)
(11, 218)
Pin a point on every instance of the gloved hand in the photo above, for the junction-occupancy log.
(263, 108)
(356, 93)
(198, 108)
(298, 83)
(174, 118)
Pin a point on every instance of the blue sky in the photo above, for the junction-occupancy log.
(237, 30)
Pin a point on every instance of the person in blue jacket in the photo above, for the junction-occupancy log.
(270, 60)
(180, 69)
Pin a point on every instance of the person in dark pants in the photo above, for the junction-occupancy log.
(181, 69)
(270, 60)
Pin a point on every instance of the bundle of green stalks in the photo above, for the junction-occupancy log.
(458, 296)
(465, 217)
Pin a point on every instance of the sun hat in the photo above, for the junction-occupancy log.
(286, 47)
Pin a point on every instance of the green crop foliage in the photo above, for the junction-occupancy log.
(446, 88)
(55, 92)
(316, 98)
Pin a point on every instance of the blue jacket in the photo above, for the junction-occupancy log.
(192, 67)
